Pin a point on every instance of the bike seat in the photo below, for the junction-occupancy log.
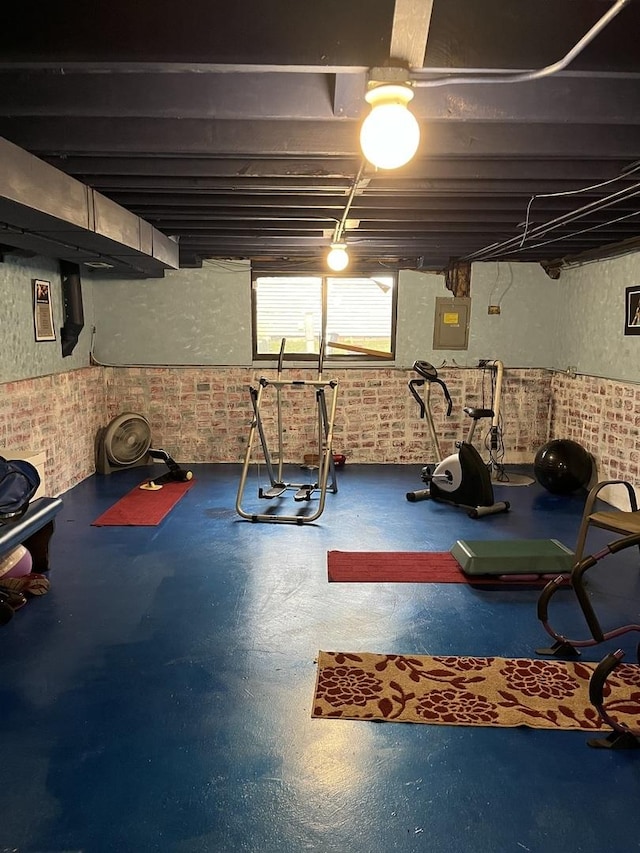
(476, 414)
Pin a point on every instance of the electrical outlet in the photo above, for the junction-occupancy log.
(494, 309)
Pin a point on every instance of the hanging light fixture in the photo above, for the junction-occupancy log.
(338, 257)
(390, 134)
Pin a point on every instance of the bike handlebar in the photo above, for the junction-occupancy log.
(430, 374)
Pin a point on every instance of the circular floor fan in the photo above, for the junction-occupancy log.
(126, 441)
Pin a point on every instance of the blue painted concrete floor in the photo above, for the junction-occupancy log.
(159, 697)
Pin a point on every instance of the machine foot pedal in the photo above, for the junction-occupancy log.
(304, 493)
(275, 491)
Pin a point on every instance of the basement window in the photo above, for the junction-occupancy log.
(356, 313)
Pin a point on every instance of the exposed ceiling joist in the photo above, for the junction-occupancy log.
(411, 21)
(611, 100)
(239, 133)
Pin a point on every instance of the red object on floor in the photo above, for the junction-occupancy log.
(143, 508)
(410, 567)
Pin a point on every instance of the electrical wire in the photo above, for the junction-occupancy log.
(619, 177)
(498, 249)
(577, 233)
(489, 76)
(519, 77)
(507, 288)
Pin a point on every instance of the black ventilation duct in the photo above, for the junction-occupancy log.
(72, 305)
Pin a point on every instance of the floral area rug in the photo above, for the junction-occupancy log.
(470, 691)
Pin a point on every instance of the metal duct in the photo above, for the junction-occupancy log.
(73, 310)
(49, 213)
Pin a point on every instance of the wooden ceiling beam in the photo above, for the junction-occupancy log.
(410, 31)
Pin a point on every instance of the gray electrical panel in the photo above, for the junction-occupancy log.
(451, 326)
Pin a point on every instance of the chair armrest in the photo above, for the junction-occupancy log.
(595, 490)
(588, 510)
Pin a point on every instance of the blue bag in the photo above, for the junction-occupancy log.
(19, 481)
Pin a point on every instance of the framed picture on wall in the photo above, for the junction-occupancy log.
(632, 311)
(42, 311)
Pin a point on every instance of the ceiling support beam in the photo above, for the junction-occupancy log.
(170, 173)
(573, 97)
(348, 95)
(190, 137)
(411, 21)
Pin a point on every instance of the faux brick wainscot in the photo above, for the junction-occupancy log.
(204, 414)
(59, 414)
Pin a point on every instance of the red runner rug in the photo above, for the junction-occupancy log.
(470, 691)
(411, 567)
(143, 508)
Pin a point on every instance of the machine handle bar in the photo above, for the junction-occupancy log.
(283, 344)
(428, 372)
(413, 384)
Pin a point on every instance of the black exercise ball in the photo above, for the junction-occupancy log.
(562, 466)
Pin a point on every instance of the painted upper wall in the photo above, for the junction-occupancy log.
(199, 316)
(524, 334)
(591, 309)
(21, 356)
(204, 317)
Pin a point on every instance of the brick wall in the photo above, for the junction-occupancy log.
(604, 416)
(58, 414)
(204, 415)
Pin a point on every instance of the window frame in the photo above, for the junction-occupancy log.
(334, 357)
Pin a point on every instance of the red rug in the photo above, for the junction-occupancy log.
(142, 508)
(411, 567)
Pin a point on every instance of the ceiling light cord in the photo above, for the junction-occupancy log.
(338, 257)
(341, 225)
(487, 76)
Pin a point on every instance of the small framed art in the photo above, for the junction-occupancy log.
(632, 311)
(42, 311)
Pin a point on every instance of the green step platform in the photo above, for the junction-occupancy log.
(513, 557)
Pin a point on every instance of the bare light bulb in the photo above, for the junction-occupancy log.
(338, 257)
(390, 134)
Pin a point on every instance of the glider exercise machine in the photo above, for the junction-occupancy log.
(462, 479)
(278, 487)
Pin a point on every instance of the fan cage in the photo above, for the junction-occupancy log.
(127, 439)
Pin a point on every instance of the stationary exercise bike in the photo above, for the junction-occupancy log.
(461, 479)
